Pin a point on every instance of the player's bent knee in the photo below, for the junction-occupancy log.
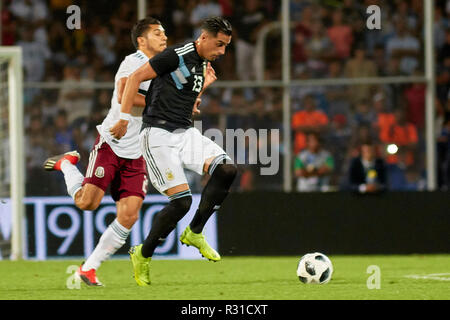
(182, 204)
(88, 205)
(128, 220)
(226, 171)
(89, 197)
(174, 212)
(128, 210)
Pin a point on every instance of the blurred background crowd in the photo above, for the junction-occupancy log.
(359, 137)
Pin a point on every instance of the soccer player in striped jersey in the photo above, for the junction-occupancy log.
(115, 163)
(118, 163)
(170, 144)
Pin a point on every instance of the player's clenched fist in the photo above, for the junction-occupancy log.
(196, 110)
(119, 129)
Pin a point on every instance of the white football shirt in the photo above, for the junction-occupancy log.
(128, 146)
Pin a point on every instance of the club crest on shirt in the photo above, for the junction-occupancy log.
(100, 172)
(169, 175)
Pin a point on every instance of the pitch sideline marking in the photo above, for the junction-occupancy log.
(432, 276)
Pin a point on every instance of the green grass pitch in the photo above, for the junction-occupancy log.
(234, 278)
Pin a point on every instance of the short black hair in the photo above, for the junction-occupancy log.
(214, 25)
(140, 28)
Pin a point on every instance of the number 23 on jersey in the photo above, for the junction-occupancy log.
(198, 83)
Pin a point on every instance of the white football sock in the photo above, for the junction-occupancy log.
(111, 240)
(72, 176)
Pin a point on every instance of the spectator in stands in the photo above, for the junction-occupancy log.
(364, 114)
(158, 9)
(227, 7)
(319, 50)
(32, 15)
(122, 19)
(379, 59)
(59, 45)
(211, 113)
(392, 68)
(236, 112)
(49, 107)
(37, 146)
(352, 9)
(404, 47)
(338, 143)
(302, 33)
(405, 12)
(9, 26)
(337, 95)
(308, 120)
(367, 173)
(313, 166)
(203, 10)
(63, 133)
(404, 179)
(440, 26)
(183, 28)
(384, 118)
(36, 143)
(58, 9)
(76, 103)
(341, 35)
(249, 20)
(297, 9)
(360, 135)
(35, 54)
(415, 104)
(260, 116)
(104, 42)
(404, 135)
(359, 66)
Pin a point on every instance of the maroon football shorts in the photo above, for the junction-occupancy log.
(126, 177)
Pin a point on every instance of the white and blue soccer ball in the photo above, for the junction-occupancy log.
(315, 268)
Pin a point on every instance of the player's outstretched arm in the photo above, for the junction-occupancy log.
(144, 73)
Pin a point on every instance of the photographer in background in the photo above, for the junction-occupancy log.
(367, 173)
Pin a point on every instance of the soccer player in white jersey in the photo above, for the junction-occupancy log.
(118, 163)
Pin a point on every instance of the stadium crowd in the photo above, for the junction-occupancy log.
(332, 126)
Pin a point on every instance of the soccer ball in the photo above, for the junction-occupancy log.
(314, 268)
